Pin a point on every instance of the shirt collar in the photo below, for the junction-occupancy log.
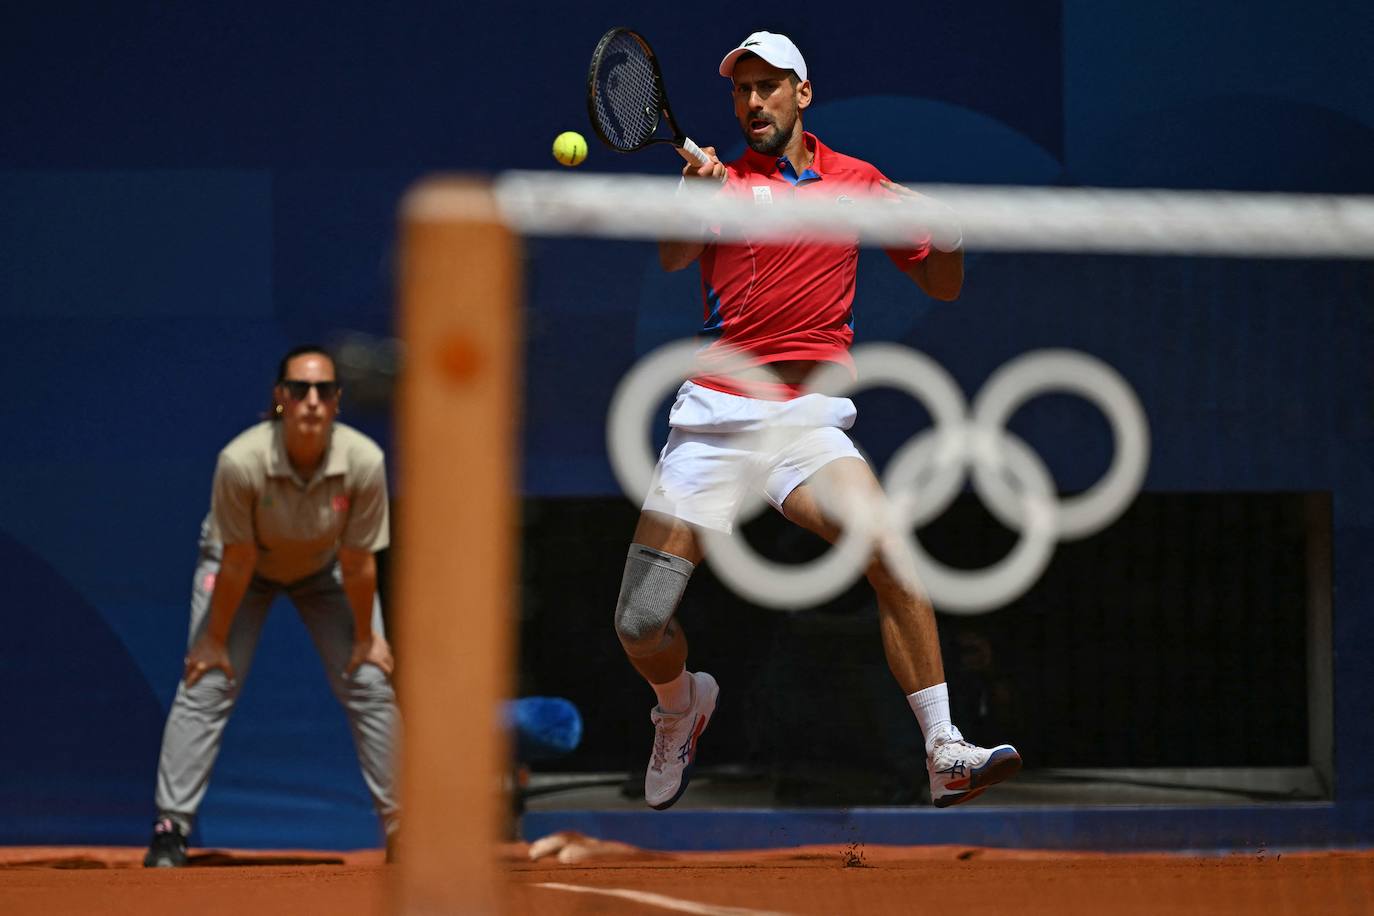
(279, 465)
(768, 165)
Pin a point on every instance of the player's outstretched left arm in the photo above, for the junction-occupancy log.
(941, 273)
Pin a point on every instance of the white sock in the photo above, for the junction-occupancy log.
(931, 706)
(676, 695)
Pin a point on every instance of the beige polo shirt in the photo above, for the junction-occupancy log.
(299, 525)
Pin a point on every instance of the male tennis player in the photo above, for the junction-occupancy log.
(787, 305)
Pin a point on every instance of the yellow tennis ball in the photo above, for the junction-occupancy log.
(570, 148)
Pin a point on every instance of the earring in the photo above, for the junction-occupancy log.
(279, 410)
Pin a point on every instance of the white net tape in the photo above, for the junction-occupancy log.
(1093, 220)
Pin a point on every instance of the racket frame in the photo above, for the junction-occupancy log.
(679, 140)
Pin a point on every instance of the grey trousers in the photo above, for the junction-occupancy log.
(195, 725)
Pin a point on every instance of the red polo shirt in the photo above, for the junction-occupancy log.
(790, 300)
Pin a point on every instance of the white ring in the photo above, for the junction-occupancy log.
(790, 586)
(629, 434)
(1034, 374)
(961, 591)
(926, 381)
(628, 423)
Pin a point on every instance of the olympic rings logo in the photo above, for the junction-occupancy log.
(923, 477)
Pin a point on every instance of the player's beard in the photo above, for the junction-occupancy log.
(771, 143)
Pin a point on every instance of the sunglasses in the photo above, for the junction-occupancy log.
(299, 391)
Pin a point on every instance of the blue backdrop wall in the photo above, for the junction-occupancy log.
(187, 190)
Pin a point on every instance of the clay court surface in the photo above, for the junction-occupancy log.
(812, 880)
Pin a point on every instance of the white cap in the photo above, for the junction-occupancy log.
(777, 49)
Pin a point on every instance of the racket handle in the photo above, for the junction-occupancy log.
(691, 149)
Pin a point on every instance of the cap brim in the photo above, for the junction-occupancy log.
(727, 66)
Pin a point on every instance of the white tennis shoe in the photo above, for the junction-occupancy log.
(960, 771)
(675, 743)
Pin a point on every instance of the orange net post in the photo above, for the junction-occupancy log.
(458, 415)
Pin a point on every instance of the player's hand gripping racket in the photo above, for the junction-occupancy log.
(626, 99)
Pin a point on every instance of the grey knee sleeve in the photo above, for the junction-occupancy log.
(649, 594)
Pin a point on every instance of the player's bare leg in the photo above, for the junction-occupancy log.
(905, 616)
(958, 770)
(671, 535)
(662, 557)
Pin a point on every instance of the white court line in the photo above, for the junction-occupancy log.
(668, 903)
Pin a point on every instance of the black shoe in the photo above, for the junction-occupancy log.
(168, 848)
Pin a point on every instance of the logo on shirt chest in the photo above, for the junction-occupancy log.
(763, 194)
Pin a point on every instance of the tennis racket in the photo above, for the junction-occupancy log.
(626, 100)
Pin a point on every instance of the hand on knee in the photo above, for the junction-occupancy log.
(367, 684)
(214, 693)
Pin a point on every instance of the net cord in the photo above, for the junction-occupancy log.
(993, 218)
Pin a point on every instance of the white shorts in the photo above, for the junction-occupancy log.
(724, 448)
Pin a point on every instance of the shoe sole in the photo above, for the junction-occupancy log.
(163, 862)
(687, 770)
(1001, 766)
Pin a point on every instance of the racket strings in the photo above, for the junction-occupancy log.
(627, 99)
